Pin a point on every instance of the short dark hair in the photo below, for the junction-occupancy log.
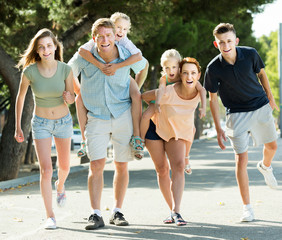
(224, 28)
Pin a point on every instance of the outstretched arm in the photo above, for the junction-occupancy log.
(265, 84)
(149, 96)
(214, 105)
(203, 94)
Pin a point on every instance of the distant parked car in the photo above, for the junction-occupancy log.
(76, 137)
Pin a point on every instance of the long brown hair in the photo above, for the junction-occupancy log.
(30, 55)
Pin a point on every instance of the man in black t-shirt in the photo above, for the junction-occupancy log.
(234, 74)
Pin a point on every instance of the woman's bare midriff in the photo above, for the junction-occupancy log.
(53, 112)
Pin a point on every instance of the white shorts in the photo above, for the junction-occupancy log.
(98, 133)
(259, 124)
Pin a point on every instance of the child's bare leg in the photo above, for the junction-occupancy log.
(136, 107)
(81, 113)
(142, 75)
(145, 119)
(136, 111)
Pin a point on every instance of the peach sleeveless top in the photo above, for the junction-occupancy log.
(176, 119)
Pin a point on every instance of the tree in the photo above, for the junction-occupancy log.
(157, 25)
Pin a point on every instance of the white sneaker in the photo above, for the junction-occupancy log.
(268, 175)
(50, 223)
(248, 214)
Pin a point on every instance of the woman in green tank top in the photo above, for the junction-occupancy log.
(51, 83)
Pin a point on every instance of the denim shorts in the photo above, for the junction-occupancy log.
(45, 128)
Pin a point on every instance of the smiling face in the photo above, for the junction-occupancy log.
(171, 68)
(46, 48)
(226, 44)
(105, 39)
(190, 75)
(122, 27)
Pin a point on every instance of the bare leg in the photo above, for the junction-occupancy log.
(145, 120)
(175, 150)
(81, 112)
(43, 151)
(242, 176)
(269, 151)
(63, 150)
(156, 149)
(141, 76)
(136, 108)
(120, 183)
(96, 182)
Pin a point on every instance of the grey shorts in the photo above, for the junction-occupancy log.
(259, 124)
(45, 128)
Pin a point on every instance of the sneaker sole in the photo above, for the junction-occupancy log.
(119, 224)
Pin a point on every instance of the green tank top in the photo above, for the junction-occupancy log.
(47, 92)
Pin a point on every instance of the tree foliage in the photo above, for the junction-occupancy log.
(157, 25)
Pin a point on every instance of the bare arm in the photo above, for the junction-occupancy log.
(149, 95)
(203, 94)
(214, 105)
(111, 68)
(87, 55)
(265, 84)
(68, 94)
(19, 107)
(160, 93)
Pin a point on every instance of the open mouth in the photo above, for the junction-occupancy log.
(105, 45)
(171, 75)
(226, 51)
(120, 36)
(189, 82)
(46, 55)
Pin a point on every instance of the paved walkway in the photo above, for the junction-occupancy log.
(211, 203)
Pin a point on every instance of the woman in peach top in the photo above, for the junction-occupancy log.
(170, 130)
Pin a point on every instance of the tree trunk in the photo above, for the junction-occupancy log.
(11, 152)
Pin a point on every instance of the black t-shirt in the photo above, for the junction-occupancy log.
(237, 85)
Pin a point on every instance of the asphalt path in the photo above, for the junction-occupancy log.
(211, 203)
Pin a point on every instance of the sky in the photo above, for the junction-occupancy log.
(268, 20)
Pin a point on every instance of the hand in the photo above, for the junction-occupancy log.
(202, 112)
(157, 108)
(82, 52)
(110, 69)
(221, 136)
(273, 104)
(19, 136)
(67, 97)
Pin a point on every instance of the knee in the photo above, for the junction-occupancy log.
(178, 165)
(271, 146)
(96, 167)
(46, 172)
(135, 95)
(121, 168)
(162, 171)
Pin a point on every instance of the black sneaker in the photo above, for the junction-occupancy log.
(118, 219)
(95, 222)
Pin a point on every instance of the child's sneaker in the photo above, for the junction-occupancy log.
(50, 223)
(82, 151)
(61, 196)
(248, 214)
(268, 175)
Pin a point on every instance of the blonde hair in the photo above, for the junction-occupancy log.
(117, 15)
(30, 55)
(171, 53)
(102, 22)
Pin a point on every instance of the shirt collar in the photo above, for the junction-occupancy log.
(239, 57)
(120, 53)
